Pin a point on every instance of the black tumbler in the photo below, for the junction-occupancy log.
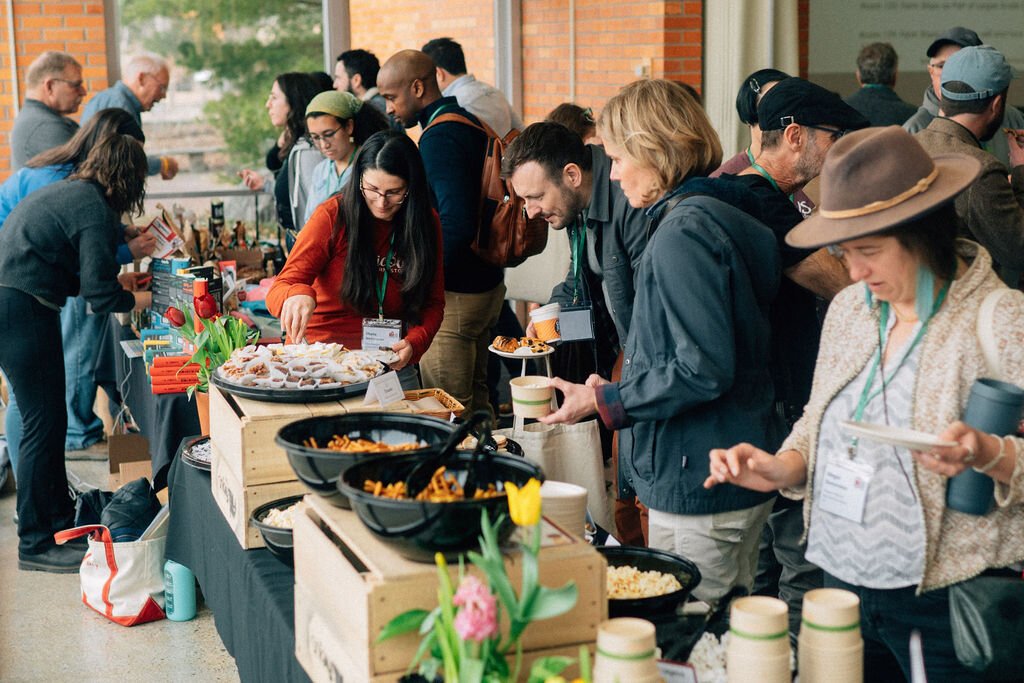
(993, 407)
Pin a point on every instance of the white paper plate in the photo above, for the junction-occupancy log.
(521, 352)
(896, 436)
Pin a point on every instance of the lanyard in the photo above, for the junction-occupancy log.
(750, 156)
(436, 113)
(765, 174)
(578, 237)
(867, 394)
(384, 280)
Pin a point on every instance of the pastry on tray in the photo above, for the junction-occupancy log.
(506, 344)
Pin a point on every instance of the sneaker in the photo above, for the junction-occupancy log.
(60, 559)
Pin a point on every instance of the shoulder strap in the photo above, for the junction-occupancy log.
(986, 338)
(653, 223)
(459, 118)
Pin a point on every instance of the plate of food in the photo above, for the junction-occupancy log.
(894, 436)
(298, 373)
(522, 347)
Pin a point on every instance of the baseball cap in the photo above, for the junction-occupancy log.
(795, 100)
(958, 35)
(982, 67)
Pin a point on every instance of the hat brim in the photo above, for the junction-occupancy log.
(956, 173)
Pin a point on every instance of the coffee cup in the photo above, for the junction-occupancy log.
(531, 396)
(830, 618)
(565, 504)
(545, 322)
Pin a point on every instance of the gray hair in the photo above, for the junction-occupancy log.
(143, 63)
(50, 64)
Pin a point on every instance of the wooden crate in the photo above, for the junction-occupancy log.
(236, 502)
(360, 584)
(323, 653)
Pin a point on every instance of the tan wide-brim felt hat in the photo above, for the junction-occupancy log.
(876, 178)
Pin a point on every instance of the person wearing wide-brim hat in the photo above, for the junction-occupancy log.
(911, 318)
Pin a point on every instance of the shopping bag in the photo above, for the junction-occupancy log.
(569, 453)
(122, 581)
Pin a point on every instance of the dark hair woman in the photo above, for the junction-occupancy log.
(58, 242)
(286, 106)
(372, 251)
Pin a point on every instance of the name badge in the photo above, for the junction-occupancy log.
(381, 332)
(576, 323)
(845, 489)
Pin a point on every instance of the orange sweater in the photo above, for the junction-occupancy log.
(316, 268)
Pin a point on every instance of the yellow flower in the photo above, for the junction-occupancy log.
(524, 503)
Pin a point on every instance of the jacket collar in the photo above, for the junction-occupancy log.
(955, 129)
(600, 208)
(930, 102)
(429, 110)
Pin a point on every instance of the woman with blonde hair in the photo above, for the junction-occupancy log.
(696, 359)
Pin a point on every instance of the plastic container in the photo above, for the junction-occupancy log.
(993, 407)
(179, 592)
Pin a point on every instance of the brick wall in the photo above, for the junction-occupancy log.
(74, 27)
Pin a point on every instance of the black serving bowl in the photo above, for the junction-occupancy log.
(649, 559)
(277, 539)
(419, 529)
(318, 468)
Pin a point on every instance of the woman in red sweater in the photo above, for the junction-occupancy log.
(378, 234)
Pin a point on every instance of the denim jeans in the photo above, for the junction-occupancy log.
(12, 426)
(81, 333)
(31, 335)
(887, 618)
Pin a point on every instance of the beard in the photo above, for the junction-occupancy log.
(574, 206)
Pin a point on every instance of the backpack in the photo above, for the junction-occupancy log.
(505, 236)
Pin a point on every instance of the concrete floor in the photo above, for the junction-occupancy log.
(48, 635)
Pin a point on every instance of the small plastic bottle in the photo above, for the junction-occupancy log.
(179, 592)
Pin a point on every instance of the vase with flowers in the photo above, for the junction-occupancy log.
(462, 638)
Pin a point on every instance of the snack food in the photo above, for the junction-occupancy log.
(299, 366)
(345, 444)
(627, 582)
(443, 488)
(506, 344)
(534, 345)
(284, 518)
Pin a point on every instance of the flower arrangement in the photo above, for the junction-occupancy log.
(462, 636)
(214, 336)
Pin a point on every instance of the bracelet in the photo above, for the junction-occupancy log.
(990, 465)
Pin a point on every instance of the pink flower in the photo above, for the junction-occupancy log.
(478, 617)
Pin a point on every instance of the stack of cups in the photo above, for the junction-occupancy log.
(565, 504)
(545, 322)
(830, 647)
(758, 641)
(626, 652)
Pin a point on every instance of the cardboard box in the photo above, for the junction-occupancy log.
(360, 584)
(123, 449)
(322, 653)
(237, 502)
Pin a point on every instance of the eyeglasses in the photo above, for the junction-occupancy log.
(936, 66)
(836, 133)
(325, 137)
(163, 86)
(389, 196)
(75, 85)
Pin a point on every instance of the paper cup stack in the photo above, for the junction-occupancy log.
(565, 504)
(545, 322)
(626, 652)
(758, 649)
(831, 648)
(531, 396)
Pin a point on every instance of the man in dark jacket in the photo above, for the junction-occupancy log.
(453, 155)
(876, 100)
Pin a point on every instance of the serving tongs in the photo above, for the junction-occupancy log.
(479, 467)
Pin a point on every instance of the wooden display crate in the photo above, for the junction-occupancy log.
(360, 584)
(322, 653)
(237, 502)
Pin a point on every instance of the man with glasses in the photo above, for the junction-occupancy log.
(453, 155)
(941, 49)
(55, 89)
(143, 84)
(799, 122)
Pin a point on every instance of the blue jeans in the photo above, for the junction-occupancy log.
(81, 333)
(12, 426)
(887, 618)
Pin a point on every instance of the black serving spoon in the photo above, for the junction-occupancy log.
(420, 475)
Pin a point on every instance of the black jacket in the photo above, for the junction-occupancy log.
(696, 373)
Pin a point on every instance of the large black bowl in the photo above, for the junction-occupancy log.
(318, 468)
(277, 539)
(418, 529)
(649, 559)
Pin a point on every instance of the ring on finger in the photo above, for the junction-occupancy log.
(969, 458)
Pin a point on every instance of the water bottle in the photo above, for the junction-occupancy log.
(179, 591)
(993, 407)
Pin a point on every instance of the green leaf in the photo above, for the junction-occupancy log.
(551, 602)
(403, 623)
(471, 670)
(547, 667)
(428, 623)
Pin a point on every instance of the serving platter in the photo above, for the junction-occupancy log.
(315, 395)
(521, 353)
(894, 436)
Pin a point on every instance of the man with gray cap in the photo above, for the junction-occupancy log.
(973, 91)
(941, 49)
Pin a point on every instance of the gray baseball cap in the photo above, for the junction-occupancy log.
(982, 67)
(958, 35)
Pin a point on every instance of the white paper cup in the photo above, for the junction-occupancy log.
(531, 395)
(626, 651)
(545, 322)
(831, 665)
(830, 618)
(758, 669)
(565, 504)
(759, 627)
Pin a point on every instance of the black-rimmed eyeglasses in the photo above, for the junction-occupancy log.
(836, 133)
